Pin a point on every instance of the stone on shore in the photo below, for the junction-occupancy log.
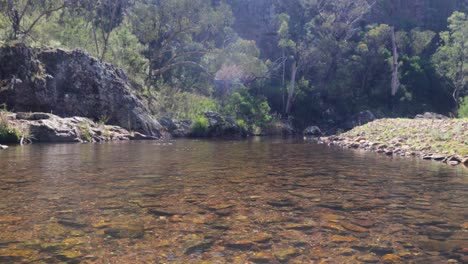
(313, 131)
(44, 127)
(72, 83)
(429, 137)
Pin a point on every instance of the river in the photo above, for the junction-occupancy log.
(254, 201)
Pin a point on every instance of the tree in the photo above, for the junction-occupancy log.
(177, 33)
(316, 37)
(108, 15)
(24, 15)
(451, 59)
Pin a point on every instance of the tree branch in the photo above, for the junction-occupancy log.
(176, 64)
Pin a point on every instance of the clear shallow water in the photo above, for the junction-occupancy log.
(256, 201)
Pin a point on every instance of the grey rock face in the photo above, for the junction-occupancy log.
(175, 127)
(71, 84)
(44, 127)
(313, 131)
(220, 126)
(359, 119)
(429, 115)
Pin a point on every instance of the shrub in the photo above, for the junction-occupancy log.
(182, 105)
(242, 124)
(85, 132)
(241, 105)
(8, 133)
(463, 111)
(200, 127)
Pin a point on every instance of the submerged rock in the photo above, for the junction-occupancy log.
(286, 254)
(262, 257)
(391, 258)
(243, 244)
(131, 230)
(343, 239)
(196, 243)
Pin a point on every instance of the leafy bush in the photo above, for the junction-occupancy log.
(183, 105)
(440, 136)
(253, 111)
(242, 124)
(8, 133)
(463, 111)
(200, 127)
(85, 132)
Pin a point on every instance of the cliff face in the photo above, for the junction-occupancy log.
(71, 84)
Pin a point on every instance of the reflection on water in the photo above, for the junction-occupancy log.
(257, 201)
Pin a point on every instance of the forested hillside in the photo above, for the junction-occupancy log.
(257, 61)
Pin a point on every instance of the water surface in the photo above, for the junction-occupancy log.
(255, 201)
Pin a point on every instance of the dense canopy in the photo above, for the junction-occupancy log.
(309, 61)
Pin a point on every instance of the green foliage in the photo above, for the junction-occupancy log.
(22, 16)
(85, 132)
(239, 61)
(182, 105)
(126, 51)
(463, 111)
(452, 57)
(242, 124)
(439, 136)
(8, 133)
(200, 127)
(241, 105)
(180, 53)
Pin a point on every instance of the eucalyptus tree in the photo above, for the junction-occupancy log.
(178, 33)
(314, 34)
(23, 15)
(103, 16)
(451, 59)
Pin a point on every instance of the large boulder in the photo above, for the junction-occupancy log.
(278, 128)
(71, 83)
(221, 126)
(430, 115)
(175, 127)
(43, 127)
(359, 119)
(312, 131)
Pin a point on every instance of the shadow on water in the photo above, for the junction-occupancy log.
(258, 201)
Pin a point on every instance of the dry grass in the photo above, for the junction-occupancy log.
(448, 136)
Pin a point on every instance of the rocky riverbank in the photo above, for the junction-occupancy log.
(71, 83)
(442, 140)
(42, 127)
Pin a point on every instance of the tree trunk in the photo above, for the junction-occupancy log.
(16, 22)
(291, 88)
(96, 43)
(105, 46)
(456, 96)
(395, 80)
(283, 81)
